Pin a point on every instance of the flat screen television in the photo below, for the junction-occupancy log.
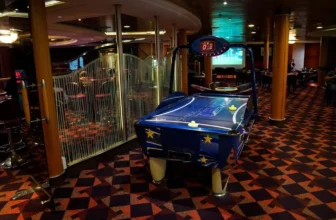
(234, 57)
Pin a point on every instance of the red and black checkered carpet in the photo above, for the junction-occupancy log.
(284, 173)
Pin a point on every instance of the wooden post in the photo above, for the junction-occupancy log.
(266, 44)
(182, 40)
(324, 46)
(279, 77)
(39, 30)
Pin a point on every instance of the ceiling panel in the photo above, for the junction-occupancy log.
(231, 20)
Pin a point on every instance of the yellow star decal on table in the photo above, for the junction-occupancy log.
(203, 160)
(150, 133)
(208, 139)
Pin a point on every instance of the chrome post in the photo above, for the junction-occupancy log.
(177, 81)
(158, 60)
(121, 79)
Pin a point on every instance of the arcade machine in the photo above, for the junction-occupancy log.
(203, 128)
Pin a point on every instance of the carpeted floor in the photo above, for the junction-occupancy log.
(283, 173)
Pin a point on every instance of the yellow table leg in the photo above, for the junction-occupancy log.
(217, 187)
(158, 169)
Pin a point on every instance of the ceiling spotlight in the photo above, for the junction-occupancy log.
(319, 27)
(253, 32)
(225, 2)
(79, 19)
(51, 3)
(127, 26)
(251, 25)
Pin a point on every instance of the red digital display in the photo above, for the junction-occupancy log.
(208, 46)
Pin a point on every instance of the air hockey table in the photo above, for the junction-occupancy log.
(203, 129)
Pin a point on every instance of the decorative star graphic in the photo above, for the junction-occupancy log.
(203, 159)
(150, 133)
(208, 139)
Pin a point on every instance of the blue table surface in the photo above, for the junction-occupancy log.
(206, 110)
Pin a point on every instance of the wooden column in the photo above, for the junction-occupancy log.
(279, 79)
(39, 30)
(324, 45)
(208, 70)
(266, 44)
(182, 40)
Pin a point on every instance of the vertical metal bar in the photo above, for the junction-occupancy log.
(177, 82)
(121, 76)
(158, 59)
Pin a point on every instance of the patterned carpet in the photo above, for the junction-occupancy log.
(283, 173)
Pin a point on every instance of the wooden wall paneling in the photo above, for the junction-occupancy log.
(312, 55)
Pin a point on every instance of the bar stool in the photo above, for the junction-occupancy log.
(10, 120)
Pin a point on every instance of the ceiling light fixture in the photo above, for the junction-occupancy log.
(126, 41)
(53, 3)
(79, 19)
(8, 36)
(139, 33)
(59, 16)
(127, 26)
(319, 27)
(253, 32)
(225, 2)
(251, 25)
(140, 39)
(14, 14)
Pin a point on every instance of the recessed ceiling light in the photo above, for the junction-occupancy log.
(59, 16)
(127, 26)
(140, 39)
(319, 27)
(79, 19)
(225, 3)
(253, 32)
(53, 3)
(251, 25)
